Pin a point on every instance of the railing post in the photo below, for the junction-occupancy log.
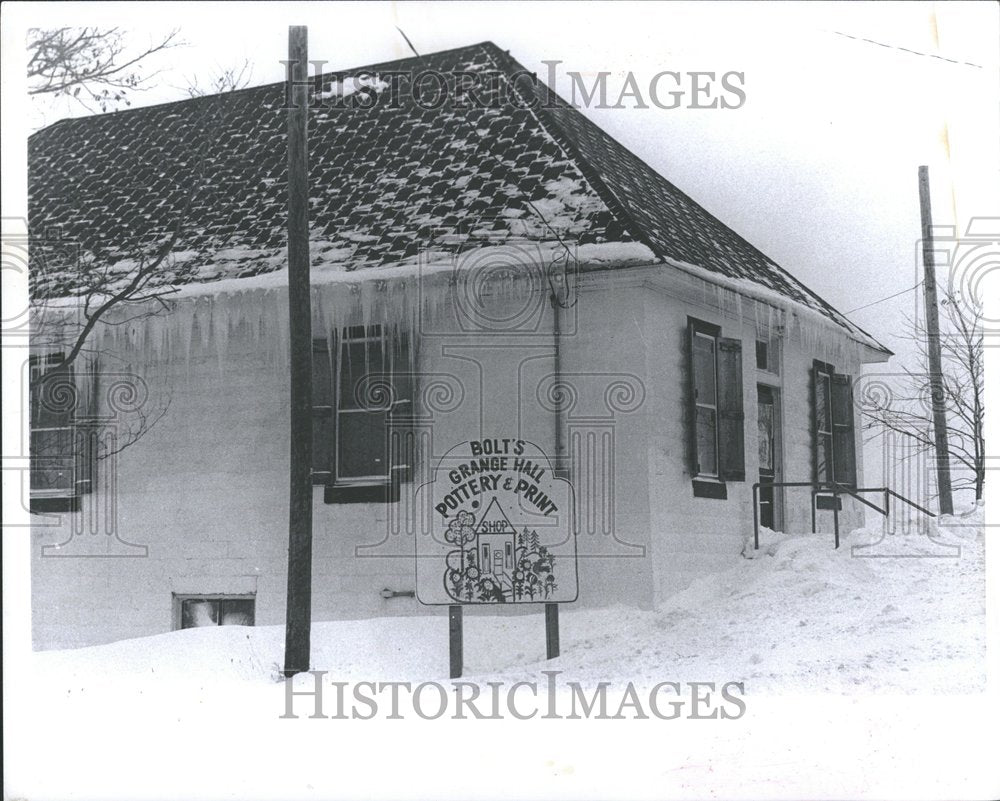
(812, 495)
(756, 528)
(836, 518)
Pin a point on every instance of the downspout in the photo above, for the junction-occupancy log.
(557, 375)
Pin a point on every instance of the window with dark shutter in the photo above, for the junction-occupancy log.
(362, 399)
(715, 392)
(834, 458)
(62, 442)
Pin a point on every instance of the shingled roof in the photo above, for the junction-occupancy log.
(405, 176)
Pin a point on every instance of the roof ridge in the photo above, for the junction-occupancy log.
(486, 44)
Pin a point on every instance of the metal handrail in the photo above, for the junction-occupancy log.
(837, 489)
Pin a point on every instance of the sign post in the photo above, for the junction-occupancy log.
(455, 640)
(551, 631)
(498, 530)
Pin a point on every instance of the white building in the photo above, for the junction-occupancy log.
(485, 267)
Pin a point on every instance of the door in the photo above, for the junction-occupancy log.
(768, 433)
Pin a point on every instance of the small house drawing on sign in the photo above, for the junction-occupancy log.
(495, 545)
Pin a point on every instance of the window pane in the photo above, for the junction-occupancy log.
(53, 397)
(824, 454)
(53, 461)
(822, 402)
(706, 437)
(843, 451)
(236, 612)
(322, 428)
(761, 355)
(704, 369)
(196, 612)
(358, 359)
(362, 444)
(841, 400)
(765, 435)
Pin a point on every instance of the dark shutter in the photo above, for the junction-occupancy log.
(814, 418)
(845, 469)
(731, 457)
(690, 410)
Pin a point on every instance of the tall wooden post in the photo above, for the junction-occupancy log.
(934, 347)
(298, 612)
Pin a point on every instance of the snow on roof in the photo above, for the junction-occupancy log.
(390, 180)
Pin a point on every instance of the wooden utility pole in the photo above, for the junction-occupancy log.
(934, 347)
(298, 610)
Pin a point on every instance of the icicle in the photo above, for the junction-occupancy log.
(218, 336)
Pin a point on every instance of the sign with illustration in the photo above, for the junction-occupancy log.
(499, 528)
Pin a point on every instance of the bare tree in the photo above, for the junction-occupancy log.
(94, 66)
(908, 410)
(225, 80)
(129, 282)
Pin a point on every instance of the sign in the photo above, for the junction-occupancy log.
(499, 528)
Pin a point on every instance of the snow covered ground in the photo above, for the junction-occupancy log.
(863, 673)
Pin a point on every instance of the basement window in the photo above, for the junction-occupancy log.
(215, 610)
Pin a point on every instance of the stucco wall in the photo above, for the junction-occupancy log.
(205, 491)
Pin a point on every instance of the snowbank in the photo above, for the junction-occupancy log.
(198, 713)
(794, 615)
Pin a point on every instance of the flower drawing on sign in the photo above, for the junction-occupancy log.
(492, 563)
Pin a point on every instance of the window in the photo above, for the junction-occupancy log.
(762, 355)
(716, 407)
(61, 446)
(768, 353)
(705, 400)
(209, 610)
(833, 427)
(362, 397)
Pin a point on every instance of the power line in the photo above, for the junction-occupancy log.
(907, 50)
(882, 300)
